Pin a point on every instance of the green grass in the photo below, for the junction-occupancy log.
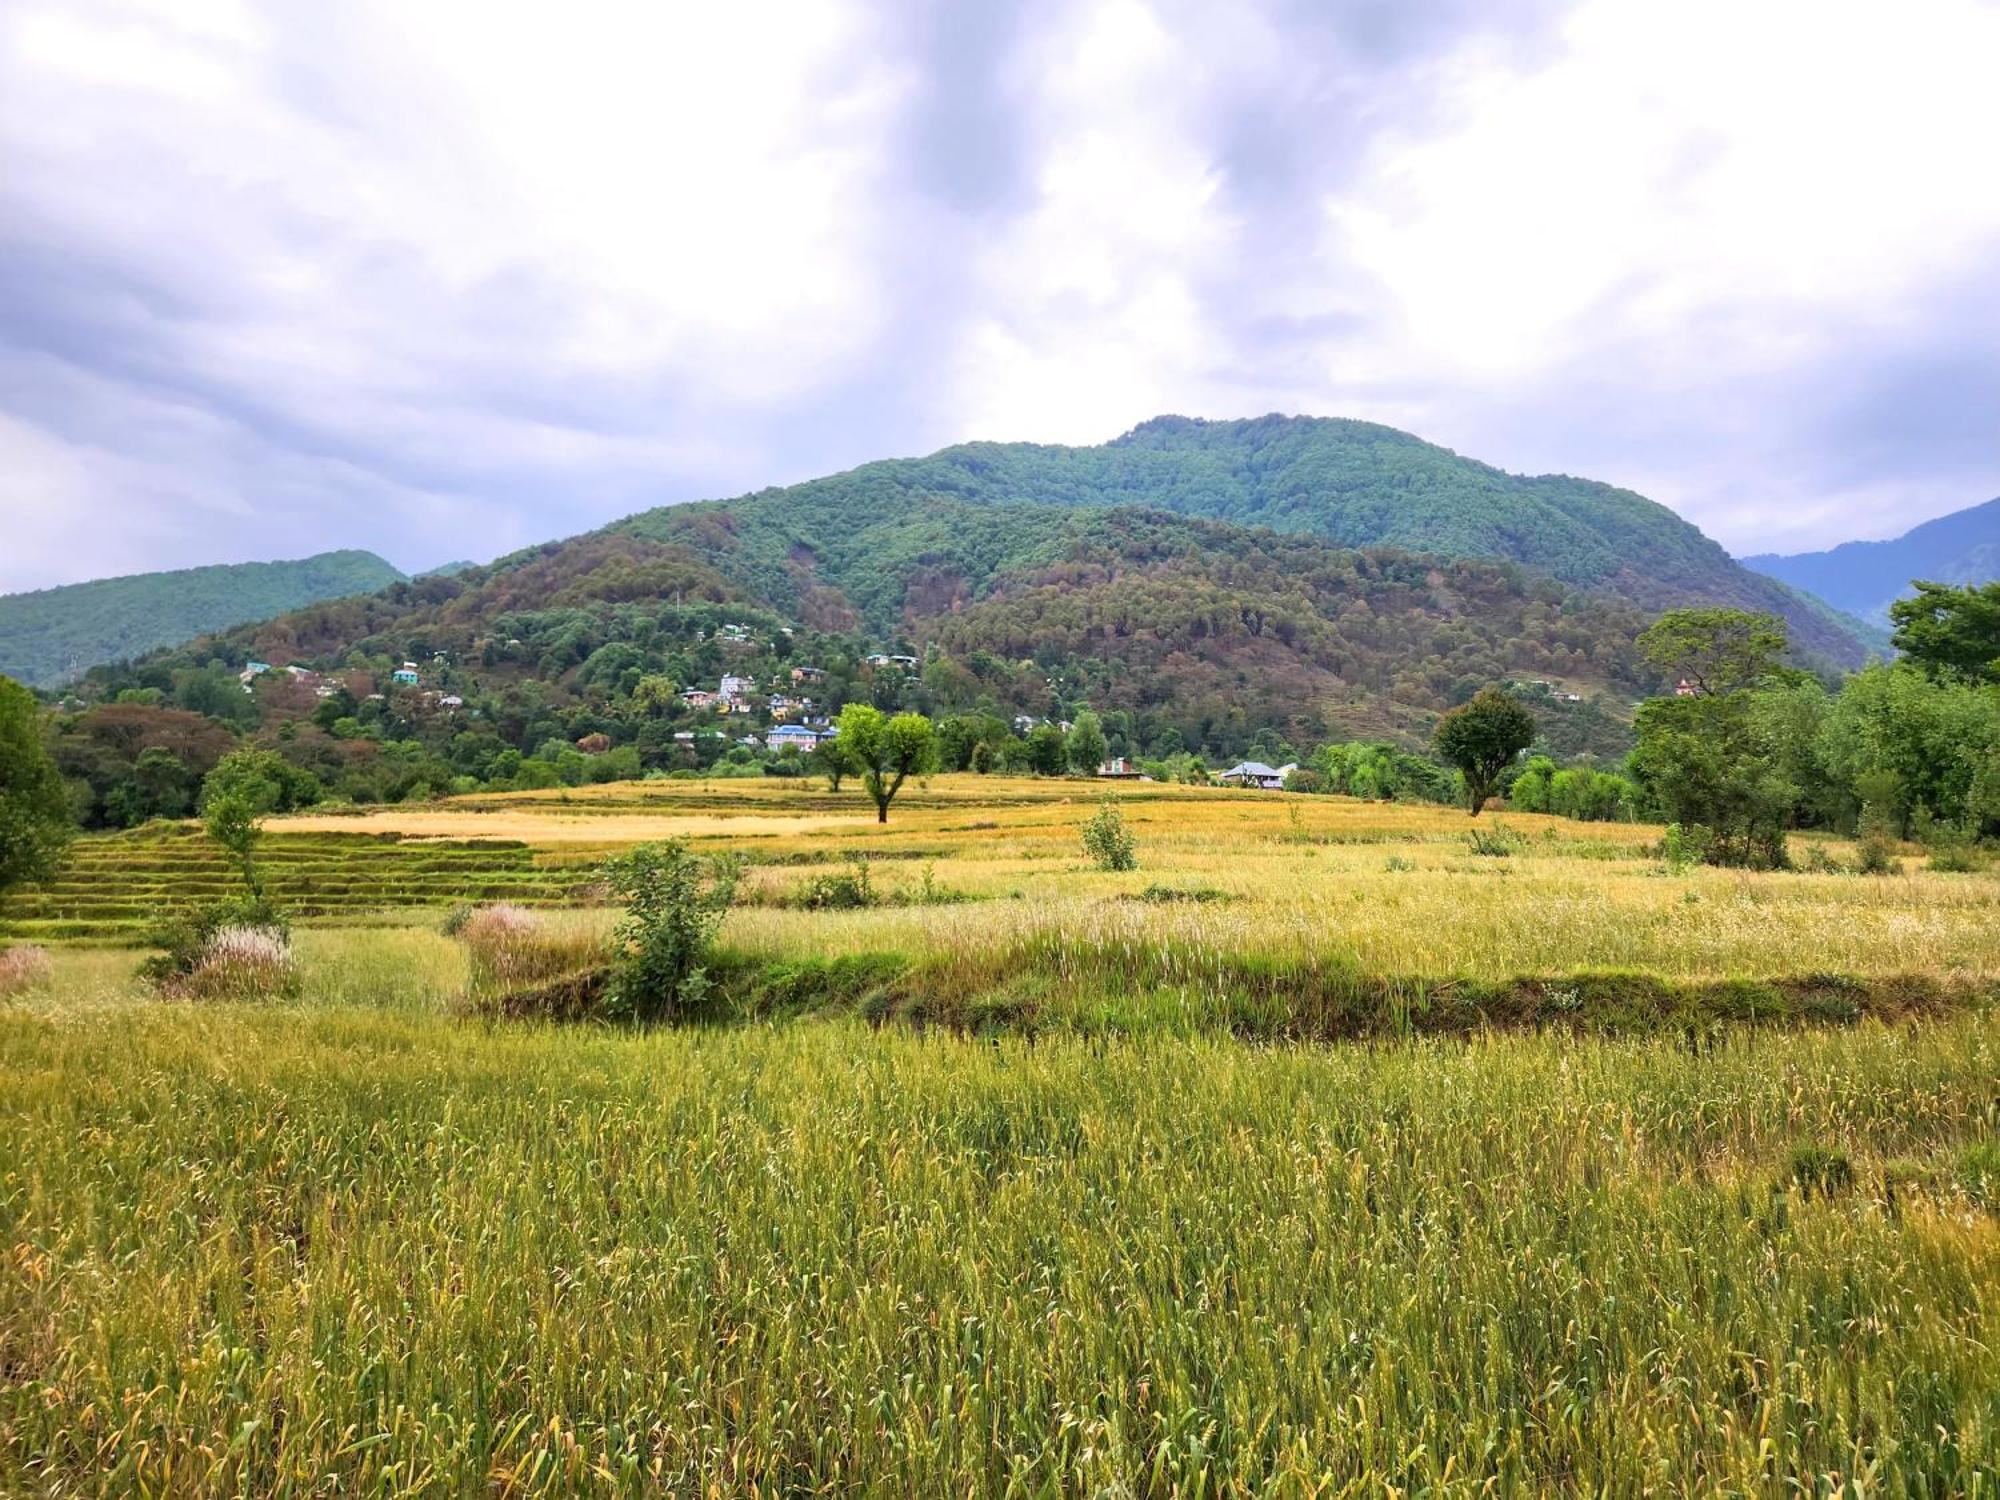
(333, 1250)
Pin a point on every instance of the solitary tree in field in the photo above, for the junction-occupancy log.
(35, 822)
(1087, 746)
(235, 797)
(885, 751)
(1482, 738)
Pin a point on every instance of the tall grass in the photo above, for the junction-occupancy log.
(342, 1252)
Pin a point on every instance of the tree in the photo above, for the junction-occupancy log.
(1714, 649)
(886, 751)
(1048, 753)
(674, 901)
(1951, 631)
(244, 787)
(830, 759)
(35, 822)
(1482, 738)
(1086, 746)
(1711, 761)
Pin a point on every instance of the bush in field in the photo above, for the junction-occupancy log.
(1497, 842)
(844, 890)
(674, 902)
(240, 963)
(1107, 841)
(187, 943)
(1876, 855)
(22, 968)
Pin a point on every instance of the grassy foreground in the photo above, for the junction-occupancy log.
(348, 1244)
(335, 1251)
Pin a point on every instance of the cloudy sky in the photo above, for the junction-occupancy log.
(441, 279)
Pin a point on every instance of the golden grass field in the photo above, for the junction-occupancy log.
(1307, 877)
(351, 1241)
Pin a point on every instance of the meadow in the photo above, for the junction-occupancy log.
(1028, 1179)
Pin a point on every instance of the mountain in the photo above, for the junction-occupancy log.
(850, 545)
(50, 636)
(1863, 578)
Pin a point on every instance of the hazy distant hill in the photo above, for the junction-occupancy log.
(858, 541)
(51, 635)
(1863, 578)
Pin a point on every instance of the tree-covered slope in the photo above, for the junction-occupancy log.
(52, 635)
(1863, 578)
(857, 541)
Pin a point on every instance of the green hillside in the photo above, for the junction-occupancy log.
(1864, 578)
(859, 541)
(51, 636)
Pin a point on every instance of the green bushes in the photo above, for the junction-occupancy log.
(234, 949)
(674, 901)
(1107, 841)
(837, 890)
(1497, 842)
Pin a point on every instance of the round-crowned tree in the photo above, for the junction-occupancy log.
(1482, 738)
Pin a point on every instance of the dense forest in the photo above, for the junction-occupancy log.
(50, 636)
(846, 547)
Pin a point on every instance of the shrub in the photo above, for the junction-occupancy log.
(1681, 848)
(1397, 865)
(1161, 895)
(1824, 1170)
(674, 902)
(1876, 855)
(1820, 861)
(184, 939)
(239, 963)
(1497, 842)
(1107, 841)
(22, 968)
(845, 890)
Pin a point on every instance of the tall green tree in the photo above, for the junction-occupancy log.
(1951, 631)
(1713, 649)
(1047, 751)
(887, 751)
(35, 821)
(1482, 738)
(1086, 746)
(244, 788)
(1711, 760)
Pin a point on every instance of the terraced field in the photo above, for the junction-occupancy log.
(116, 885)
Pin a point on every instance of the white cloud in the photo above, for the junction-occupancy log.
(467, 275)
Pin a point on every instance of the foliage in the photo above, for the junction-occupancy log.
(674, 902)
(1108, 841)
(838, 890)
(186, 937)
(1482, 738)
(1047, 751)
(1086, 747)
(1715, 651)
(885, 750)
(1497, 842)
(51, 635)
(35, 820)
(1951, 631)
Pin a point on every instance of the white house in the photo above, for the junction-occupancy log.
(1255, 773)
(806, 739)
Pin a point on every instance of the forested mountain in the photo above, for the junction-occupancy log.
(852, 546)
(1864, 578)
(51, 635)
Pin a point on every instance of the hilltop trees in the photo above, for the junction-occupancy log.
(886, 751)
(35, 823)
(1482, 738)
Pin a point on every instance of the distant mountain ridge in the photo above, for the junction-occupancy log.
(1864, 578)
(49, 636)
(850, 541)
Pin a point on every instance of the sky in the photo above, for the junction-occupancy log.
(443, 279)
